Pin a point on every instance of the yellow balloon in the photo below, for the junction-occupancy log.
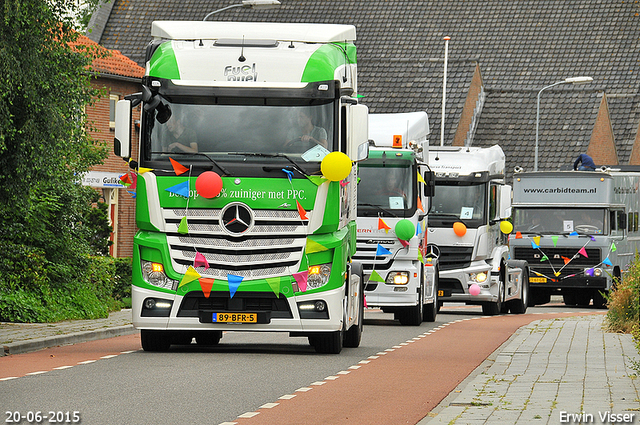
(459, 229)
(336, 166)
(506, 227)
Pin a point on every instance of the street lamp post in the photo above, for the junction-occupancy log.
(250, 4)
(572, 80)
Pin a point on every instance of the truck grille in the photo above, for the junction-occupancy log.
(452, 258)
(220, 302)
(273, 243)
(555, 255)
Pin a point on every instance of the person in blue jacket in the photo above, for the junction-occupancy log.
(584, 163)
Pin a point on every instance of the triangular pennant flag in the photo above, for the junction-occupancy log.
(313, 246)
(613, 247)
(200, 261)
(189, 276)
(288, 173)
(557, 274)
(574, 233)
(177, 167)
(375, 277)
(420, 257)
(593, 238)
(534, 245)
(364, 299)
(420, 179)
(206, 284)
(565, 259)
(317, 180)
(418, 230)
(537, 240)
(301, 280)
(274, 284)
(234, 283)
(420, 205)
(301, 211)
(380, 250)
(583, 252)
(133, 194)
(134, 181)
(383, 225)
(183, 228)
(181, 189)
(124, 179)
(607, 262)
(343, 183)
(518, 235)
(544, 257)
(555, 240)
(404, 243)
(142, 170)
(589, 272)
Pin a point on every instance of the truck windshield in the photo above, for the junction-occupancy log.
(388, 189)
(559, 220)
(303, 130)
(456, 201)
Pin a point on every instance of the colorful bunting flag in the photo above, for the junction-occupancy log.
(613, 247)
(181, 189)
(557, 274)
(555, 240)
(420, 257)
(124, 179)
(420, 179)
(177, 167)
(589, 272)
(313, 246)
(183, 228)
(534, 245)
(418, 229)
(593, 238)
(206, 284)
(544, 257)
(380, 250)
(565, 259)
(583, 252)
(274, 284)
(574, 233)
(420, 205)
(317, 180)
(189, 276)
(375, 277)
(288, 173)
(383, 225)
(301, 280)
(301, 211)
(142, 170)
(234, 283)
(404, 243)
(343, 183)
(518, 235)
(537, 240)
(607, 262)
(133, 194)
(200, 260)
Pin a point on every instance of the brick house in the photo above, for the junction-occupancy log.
(116, 76)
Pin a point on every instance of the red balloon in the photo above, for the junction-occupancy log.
(208, 184)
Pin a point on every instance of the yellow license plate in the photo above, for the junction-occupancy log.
(235, 318)
(538, 279)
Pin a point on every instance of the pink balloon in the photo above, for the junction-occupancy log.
(474, 289)
(209, 184)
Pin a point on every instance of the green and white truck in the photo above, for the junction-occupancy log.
(394, 190)
(246, 192)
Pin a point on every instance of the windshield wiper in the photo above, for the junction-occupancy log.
(213, 161)
(449, 215)
(378, 207)
(296, 166)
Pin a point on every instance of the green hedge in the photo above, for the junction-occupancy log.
(32, 289)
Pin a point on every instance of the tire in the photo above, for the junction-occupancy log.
(569, 297)
(520, 306)
(208, 338)
(329, 343)
(493, 309)
(430, 311)
(583, 298)
(155, 341)
(353, 336)
(182, 338)
(411, 316)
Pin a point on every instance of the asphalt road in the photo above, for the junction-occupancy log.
(112, 381)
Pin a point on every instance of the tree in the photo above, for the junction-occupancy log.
(44, 147)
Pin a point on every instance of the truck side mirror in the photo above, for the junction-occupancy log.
(430, 184)
(122, 140)
(358, 132)
(505, 202)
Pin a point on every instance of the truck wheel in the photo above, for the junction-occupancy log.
(520, 306)
(153, 340)
(329, 343)
(353, 336)
(583, 298)
(569, 297)
(208, 337)
(493, 309)
(410, 316)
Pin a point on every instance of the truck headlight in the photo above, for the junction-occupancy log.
(479, 277)
(595, 272)
(318, 275)
(153, 273)
(397, 278)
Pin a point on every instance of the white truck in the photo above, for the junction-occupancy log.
(395, 185)
(471, 198)
(246, 194)
(578, 230)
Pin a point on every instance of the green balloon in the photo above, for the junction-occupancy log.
(405, 230)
